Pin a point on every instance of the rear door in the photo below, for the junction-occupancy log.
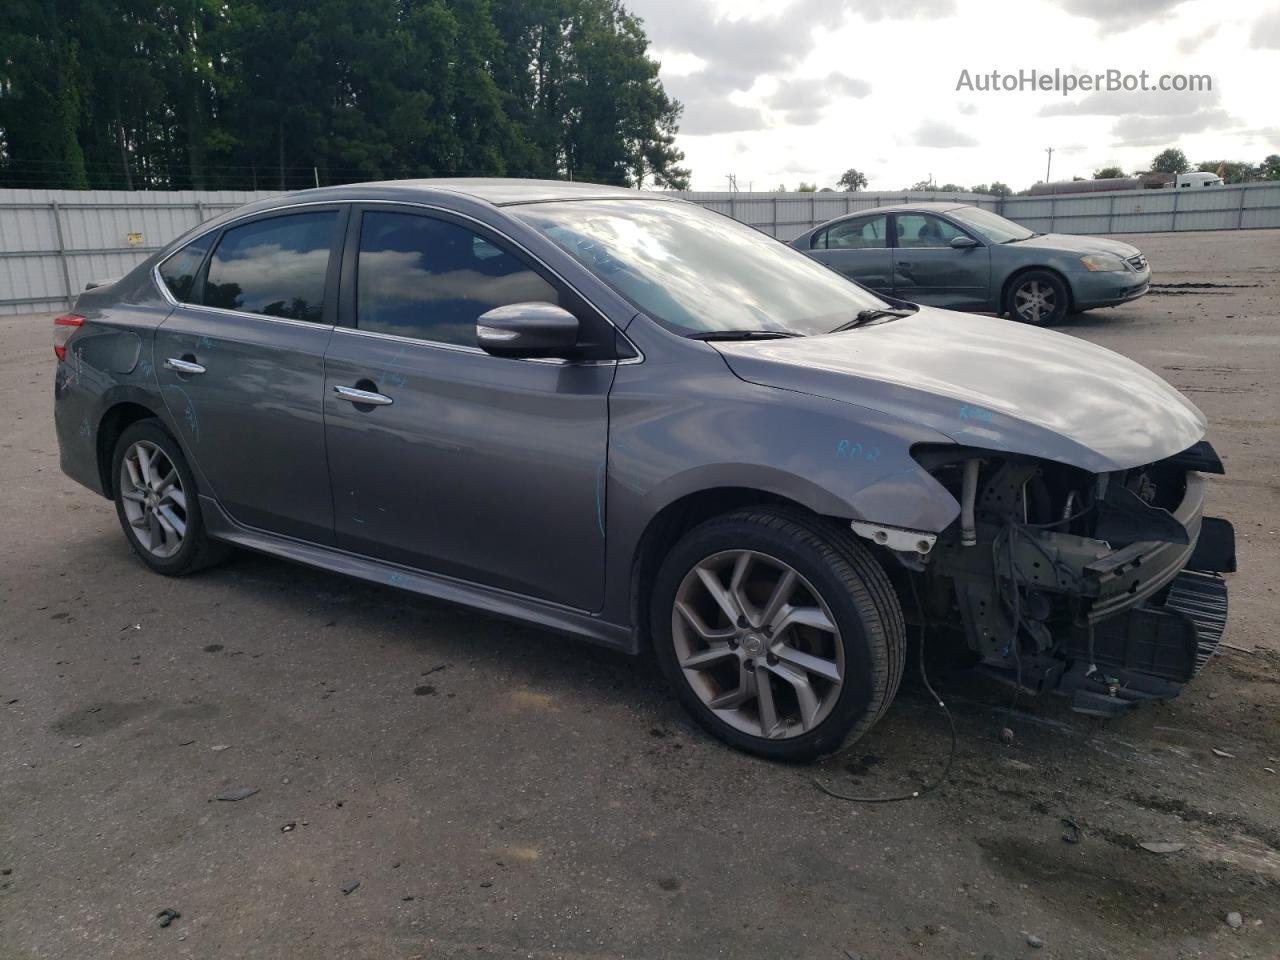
(240, 362)
(483, 468)
(927, 269)
(858, 248)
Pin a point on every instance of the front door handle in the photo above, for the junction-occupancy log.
(182, 366)
(362, 396)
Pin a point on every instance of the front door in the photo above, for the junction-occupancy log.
(927, 269)
(240, 363)
(858, 248)
(483, 468)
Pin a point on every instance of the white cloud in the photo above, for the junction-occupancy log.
(1121, 103)
(1266, 32)
(1192, 43)
(935, 133)
(804, 100)
(708, 115)
(1123, 14)
(775, 93)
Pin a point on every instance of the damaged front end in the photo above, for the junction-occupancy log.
(1105, 587)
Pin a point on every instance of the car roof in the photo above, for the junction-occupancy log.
(931, 206)
(499, 191)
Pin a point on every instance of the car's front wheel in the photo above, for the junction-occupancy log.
(780, 634)
(1039, 297)
(155, 495)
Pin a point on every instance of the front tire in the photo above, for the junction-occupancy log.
(155, 495)
(779, 633)
(1038, 297)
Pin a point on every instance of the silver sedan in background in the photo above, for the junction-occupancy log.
(963, 257)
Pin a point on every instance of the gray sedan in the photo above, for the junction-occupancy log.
(963, 257)
(626, 418)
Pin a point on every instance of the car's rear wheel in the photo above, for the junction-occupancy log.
(1038, 297)
(156, 501)
(779, 634)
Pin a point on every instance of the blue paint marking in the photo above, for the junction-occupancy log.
(846, 450)
(393, 377)
(204, 341)
(189, 414)
(397, 579)
(146, 368)
(85, 429)
(600, 471)
(981, 414)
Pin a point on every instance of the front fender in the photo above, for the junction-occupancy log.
(685, 428)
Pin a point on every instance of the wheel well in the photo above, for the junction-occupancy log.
(675, 520)
(114, 422)
(1003, 305)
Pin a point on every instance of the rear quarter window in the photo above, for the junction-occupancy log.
(178, 271)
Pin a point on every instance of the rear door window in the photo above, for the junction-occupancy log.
(275, 267)
(862, 233)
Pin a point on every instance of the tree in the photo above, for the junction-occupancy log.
(921, 185)
(1270, 168)
(851, 181)
(280, 93)
(807, 187)
(40, 97)
(1233, 171)
(1171, 160)
(1108, 173)
(951, 188)
(999, 189)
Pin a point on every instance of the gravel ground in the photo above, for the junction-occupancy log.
(500, 791)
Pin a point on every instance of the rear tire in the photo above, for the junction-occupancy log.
(1038, 297)
(157, 502)
(815, 619)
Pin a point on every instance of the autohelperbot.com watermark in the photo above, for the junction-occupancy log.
(1067, 82)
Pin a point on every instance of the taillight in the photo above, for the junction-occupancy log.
(63, 328)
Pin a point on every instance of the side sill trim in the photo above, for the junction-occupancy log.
(221, 526)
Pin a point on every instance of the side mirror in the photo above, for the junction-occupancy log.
(963, 243)
(527, 330)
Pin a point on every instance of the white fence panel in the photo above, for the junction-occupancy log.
(53, 242)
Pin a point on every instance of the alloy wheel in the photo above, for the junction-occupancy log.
(757, 644)
(154, 501)
(1035, 301)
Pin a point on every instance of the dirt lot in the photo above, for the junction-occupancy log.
(500, 791)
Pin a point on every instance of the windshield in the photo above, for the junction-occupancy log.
(699, 272)
(991, 225)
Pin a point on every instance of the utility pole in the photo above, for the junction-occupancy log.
(733, 183)
(1048, 163)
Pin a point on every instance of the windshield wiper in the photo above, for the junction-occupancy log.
(743, 335)
(866, 316)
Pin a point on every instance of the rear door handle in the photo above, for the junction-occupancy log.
(362, 396)
(182, 366)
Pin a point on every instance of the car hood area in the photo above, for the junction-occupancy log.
(988, 383)
(1073, 244)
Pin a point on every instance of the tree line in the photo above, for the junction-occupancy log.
(282, 94)
(1173, 160)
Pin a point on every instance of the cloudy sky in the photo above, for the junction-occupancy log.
(779, 93)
